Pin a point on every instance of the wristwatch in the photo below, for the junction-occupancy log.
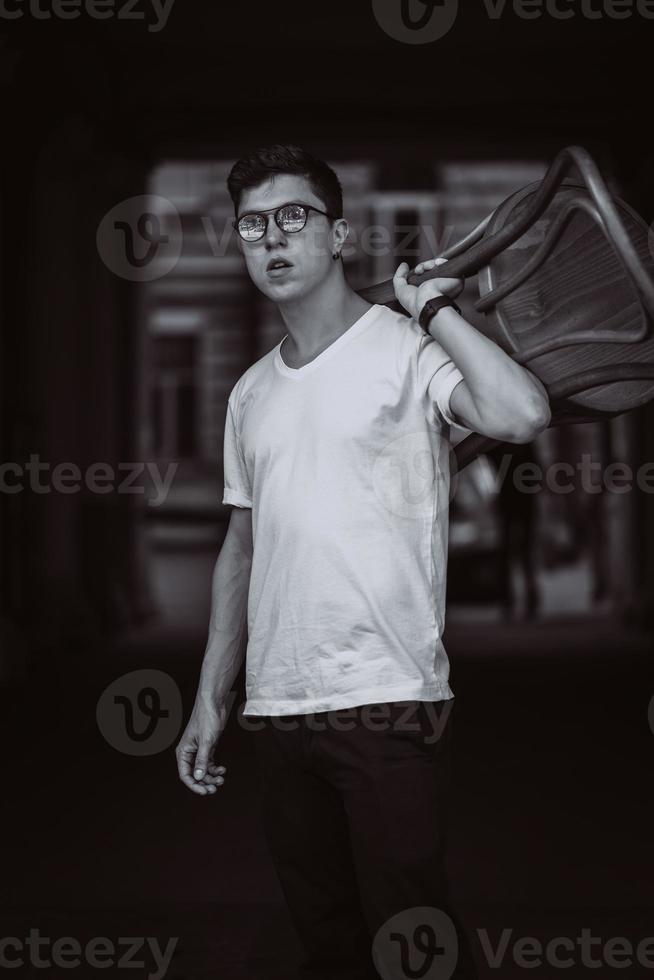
(434, 306)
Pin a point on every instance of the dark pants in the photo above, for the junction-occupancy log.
(354, 815)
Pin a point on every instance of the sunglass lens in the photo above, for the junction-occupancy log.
(292, 218)
(251, 227)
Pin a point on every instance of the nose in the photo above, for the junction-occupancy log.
(274, 234)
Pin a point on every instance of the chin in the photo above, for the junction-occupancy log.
(284, 291)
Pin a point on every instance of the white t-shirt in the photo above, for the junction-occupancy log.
(345, 464)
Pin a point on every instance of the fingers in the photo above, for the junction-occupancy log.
(203, 760)
(198, 788)
(209, 783)
(446, 285)
(185, 757)
(428, 264)
(401, 272)
(403, 290)
(205, 779)
(214, 776)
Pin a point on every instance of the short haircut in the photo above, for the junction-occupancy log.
(268, 161)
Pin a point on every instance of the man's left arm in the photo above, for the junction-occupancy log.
(497, 397)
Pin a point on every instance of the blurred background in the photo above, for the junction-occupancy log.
(122, 336)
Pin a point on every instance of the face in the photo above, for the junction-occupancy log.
(288, 267)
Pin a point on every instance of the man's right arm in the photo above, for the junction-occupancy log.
(224, 654)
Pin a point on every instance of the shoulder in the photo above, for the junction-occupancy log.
(405, 341)
(251, 378)
(401, 330)
(393, 319)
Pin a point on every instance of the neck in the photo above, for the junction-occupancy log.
(314, 321)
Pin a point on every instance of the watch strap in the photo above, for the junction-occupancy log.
(434, 306)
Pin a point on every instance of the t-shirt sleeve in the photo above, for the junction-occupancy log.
(237, 488)
(437, 376)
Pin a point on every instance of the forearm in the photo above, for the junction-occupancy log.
(504, 393)
(227, 639)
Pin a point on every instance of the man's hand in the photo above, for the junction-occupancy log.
(413, 298)
(196, 747)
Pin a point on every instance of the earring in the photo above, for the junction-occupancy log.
(336, 256)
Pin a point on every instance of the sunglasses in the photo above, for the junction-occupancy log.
(289, 218)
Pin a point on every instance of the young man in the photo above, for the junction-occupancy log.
(333, 566)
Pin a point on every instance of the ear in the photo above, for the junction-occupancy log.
(340, 231)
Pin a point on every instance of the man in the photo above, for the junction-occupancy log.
(336, 464)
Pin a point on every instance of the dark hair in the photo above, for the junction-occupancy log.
(266, 162)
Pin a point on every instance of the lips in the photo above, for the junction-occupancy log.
(277, 265)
